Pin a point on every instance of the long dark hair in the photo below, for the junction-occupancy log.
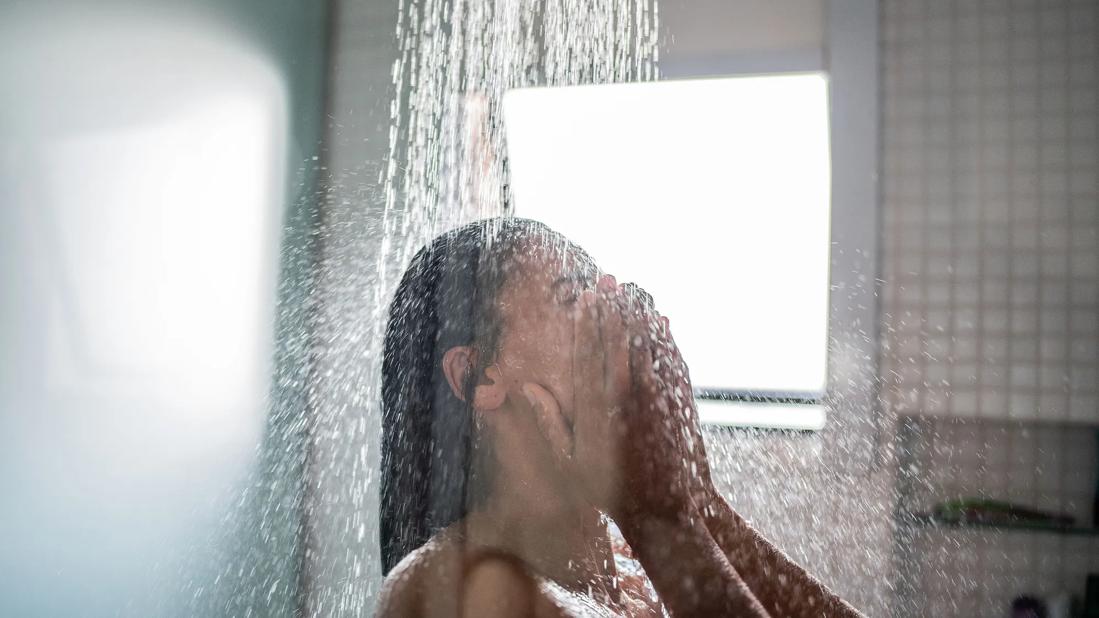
(446, 298)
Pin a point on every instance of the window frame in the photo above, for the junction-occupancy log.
(849, 61)
(744, 405)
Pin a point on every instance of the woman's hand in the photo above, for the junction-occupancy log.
(636, 449)
(635, 444)
(674, 372)
(673, 378)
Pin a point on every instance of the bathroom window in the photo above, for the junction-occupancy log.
(713, 195)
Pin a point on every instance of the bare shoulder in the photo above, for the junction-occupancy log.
(498, 586)
(447, 578)
(425, 579)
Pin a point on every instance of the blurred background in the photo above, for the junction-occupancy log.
(155, 156)
(898, 198)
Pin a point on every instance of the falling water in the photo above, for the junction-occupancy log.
(313, 522)
(447, 158)
(307, 530)
(988, 137)
(446, 165)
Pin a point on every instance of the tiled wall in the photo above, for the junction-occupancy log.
(990, 181)
(990, 186)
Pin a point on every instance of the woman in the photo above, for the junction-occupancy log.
(541, 449)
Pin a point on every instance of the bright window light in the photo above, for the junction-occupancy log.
(711, 194)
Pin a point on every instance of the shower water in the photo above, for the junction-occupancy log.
(446, 165)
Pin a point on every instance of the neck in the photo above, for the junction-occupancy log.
(554, 532)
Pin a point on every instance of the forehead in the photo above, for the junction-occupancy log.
(546, 261)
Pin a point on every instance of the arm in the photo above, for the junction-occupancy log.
(636, 448)
(783, 587)
(687, 567)
(637, 443)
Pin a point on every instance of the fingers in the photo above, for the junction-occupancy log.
(636, 294)
(670, 364)
(644, 380)
(589, 356)
(675, 375)
(611, 322)
(615, 345)
(602, 343)
(551, 423)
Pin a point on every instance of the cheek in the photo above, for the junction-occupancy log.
(540, 350)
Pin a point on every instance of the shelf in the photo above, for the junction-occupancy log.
(1084, 423)
(930, 521)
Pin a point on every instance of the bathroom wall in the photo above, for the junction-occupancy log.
(990, 180)
(991, 294)
(724, 37)
(967, 571)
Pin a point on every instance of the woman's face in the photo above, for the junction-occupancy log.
(537, 338)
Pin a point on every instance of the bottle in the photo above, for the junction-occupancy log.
(1059, 605)
(1091, 599)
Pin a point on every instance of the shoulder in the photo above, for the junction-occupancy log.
(445, 577)
(429, 574)
(497, 585)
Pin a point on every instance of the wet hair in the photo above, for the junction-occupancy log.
(446, 298)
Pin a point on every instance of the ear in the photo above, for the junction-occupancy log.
(457, 363)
